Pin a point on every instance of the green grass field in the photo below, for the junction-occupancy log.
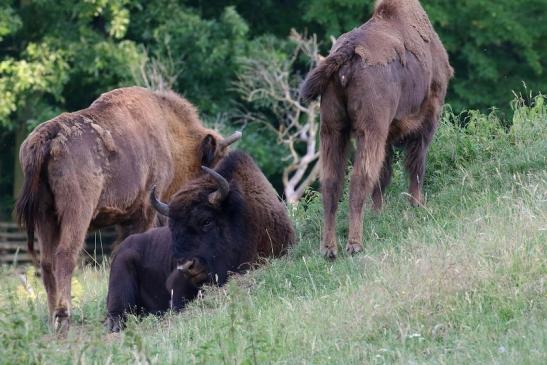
(460, 281)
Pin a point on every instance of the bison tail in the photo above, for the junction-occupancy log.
(317, 80)
(33, 156)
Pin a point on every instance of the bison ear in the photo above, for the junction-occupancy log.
(207, 150)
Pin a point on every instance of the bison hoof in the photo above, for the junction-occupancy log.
(416, 201)
(377, 203)
(353, 248)
(113, 324)
(377, 207)
(61, 322)
(329, 252)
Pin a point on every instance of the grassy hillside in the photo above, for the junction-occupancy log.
(460, 281)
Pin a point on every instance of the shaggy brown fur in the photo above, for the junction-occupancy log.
(209, 236)
(263, 216)
(94, 167)
(383, 83)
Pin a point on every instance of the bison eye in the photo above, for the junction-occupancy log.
(206, 224)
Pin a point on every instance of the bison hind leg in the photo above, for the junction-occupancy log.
(334, 142)
(48, 238)
(367, 166)
(72, 234)
(415, 156)
(383, 181)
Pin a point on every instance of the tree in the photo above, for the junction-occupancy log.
(492, 43)
(57, 56)
(203, 52)
(268, 81)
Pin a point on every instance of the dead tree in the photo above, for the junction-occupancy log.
(156, 73)
(272, 83)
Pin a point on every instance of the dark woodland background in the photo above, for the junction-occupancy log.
(60, 55)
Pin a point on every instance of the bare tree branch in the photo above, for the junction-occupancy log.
(155, 73)
(271, 83)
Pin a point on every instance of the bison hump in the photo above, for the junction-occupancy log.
(380, 48)
(396, 27)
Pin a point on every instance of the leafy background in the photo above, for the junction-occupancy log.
(60, 55)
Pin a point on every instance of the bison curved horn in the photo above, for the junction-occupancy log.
(223, 186)
(161, 207)
(231, 139)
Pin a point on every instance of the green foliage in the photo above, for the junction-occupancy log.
(204, 51)
(261, 143)
(40, 70)
(9, 21)
(529, 119)
(59, 54)
(492, 42)
(269, 17)
(338, 16)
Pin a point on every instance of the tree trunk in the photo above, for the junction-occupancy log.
(20, 134)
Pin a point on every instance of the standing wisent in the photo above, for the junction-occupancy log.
(221, 222)
(95, 167)
(383, 83)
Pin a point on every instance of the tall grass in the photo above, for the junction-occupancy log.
(459, 281)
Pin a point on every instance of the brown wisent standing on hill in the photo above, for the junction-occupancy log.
(95, 167)
(383, 83)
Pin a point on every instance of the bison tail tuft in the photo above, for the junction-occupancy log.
(317, 80)
(27, 205)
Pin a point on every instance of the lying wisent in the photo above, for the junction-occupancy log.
(138, 279)
(95, 167)
(383, 83)
(219, 223)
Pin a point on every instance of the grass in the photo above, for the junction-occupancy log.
(460, 281)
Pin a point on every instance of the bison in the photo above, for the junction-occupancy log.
(383, 83)
(221, 222)
(94, 168)
(145, 278)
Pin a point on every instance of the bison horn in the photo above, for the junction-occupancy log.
(223, 186)
(161, 207)
(231, 139)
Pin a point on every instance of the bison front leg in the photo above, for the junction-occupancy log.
(123, 289)
(179, 284)
(368, 161)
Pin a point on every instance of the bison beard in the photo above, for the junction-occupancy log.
(219, 223)
(383, 83)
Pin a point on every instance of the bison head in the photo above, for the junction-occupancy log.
(207, 219)
(214, 147)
